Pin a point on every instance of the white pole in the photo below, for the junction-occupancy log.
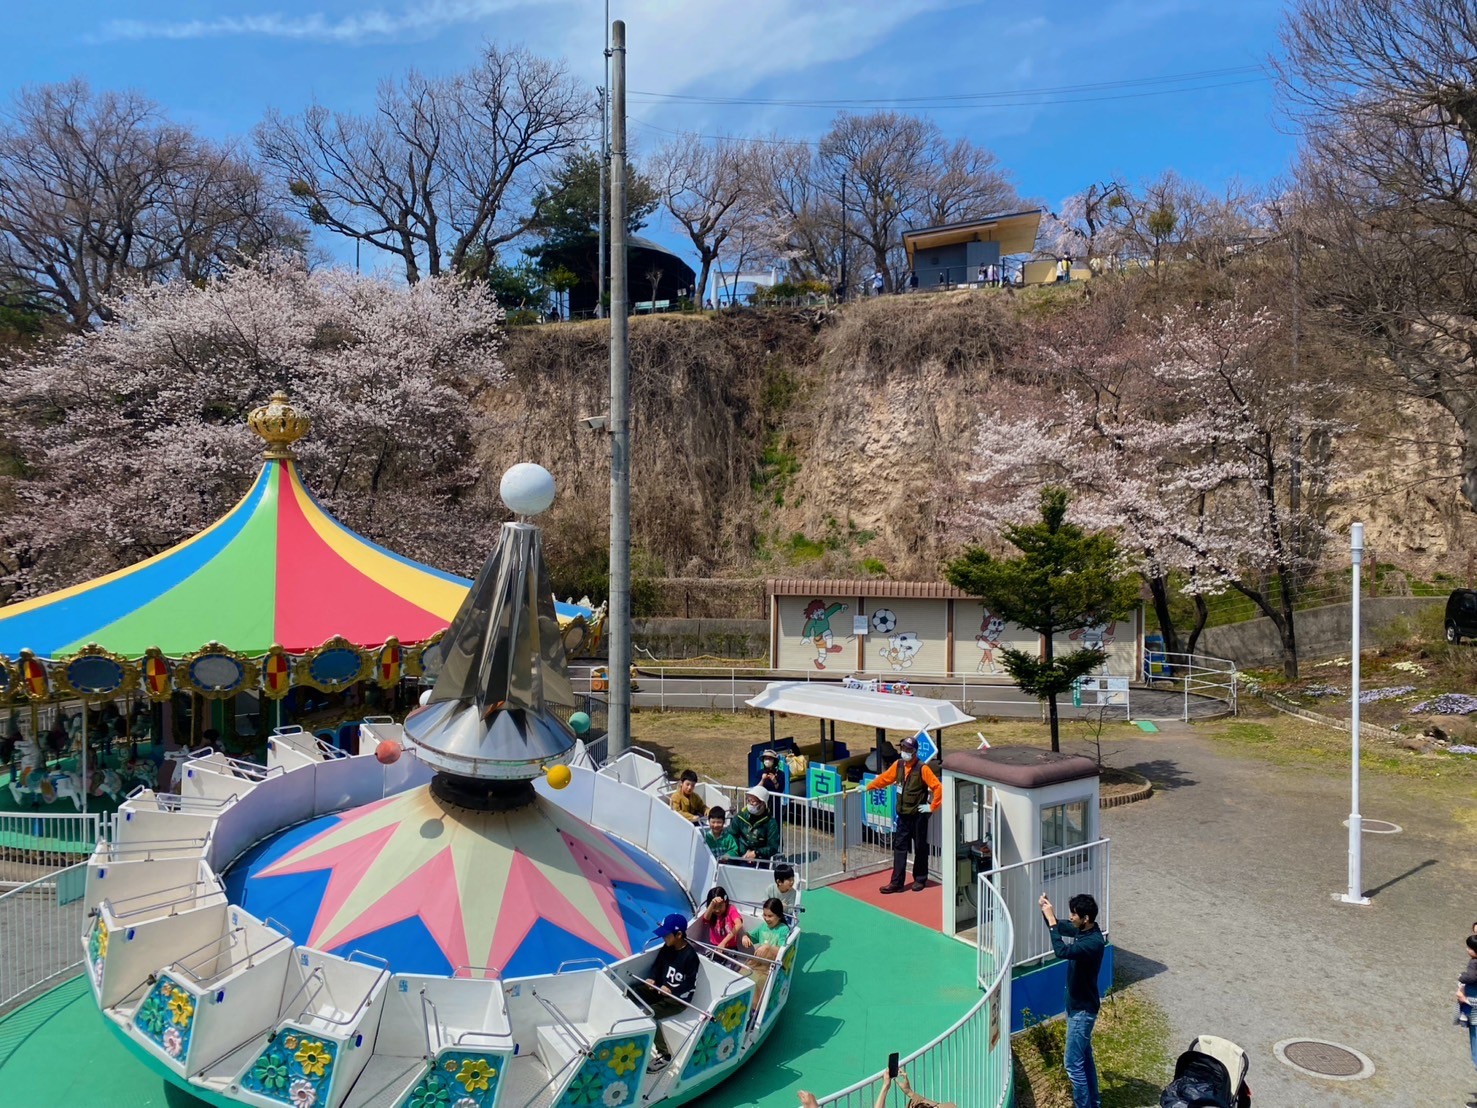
(1355, 895)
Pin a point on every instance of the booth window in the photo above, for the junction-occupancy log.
(1064, 826)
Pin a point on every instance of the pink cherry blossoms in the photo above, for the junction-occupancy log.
(1189, 437)
(134, 437)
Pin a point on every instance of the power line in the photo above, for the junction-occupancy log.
(1007, 97)
(1042, 103)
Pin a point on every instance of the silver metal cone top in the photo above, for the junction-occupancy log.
(502, 672)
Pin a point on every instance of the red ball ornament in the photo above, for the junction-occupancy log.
(388, 752)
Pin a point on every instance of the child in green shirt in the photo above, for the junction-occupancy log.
(767, 940)
(720, 841)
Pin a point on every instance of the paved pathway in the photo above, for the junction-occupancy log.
(1222, 888)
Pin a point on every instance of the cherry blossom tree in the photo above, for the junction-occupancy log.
(133, 437)
(1191, 439)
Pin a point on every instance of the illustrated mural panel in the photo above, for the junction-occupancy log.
(906, 637)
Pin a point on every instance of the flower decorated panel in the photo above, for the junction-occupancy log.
(97, 950)
(459, 1079)
(611, 1076)
(296, 1069)
(166, 1018)
(779, 989)
(718, 1042)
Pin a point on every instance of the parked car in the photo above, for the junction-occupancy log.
(1461, 615)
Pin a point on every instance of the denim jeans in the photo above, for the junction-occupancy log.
(1081, 1069)
(1472, 1040)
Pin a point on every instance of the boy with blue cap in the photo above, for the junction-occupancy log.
(672, 980)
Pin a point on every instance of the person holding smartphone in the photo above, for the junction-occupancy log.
(1080, 944)
(807, 1100)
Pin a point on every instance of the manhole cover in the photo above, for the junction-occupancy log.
(1324, 1059)
(1378, 827)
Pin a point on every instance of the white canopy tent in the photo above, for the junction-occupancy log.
(834, 703)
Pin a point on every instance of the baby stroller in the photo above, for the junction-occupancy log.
(1210, 1074)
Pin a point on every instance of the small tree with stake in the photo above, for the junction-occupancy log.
(1063, 580)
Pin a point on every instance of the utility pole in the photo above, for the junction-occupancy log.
(1355, 893)
(604, 176)
(604, 166)
(844, 230)
(619, 701)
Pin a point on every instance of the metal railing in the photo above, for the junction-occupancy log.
(1062, 875)
(729, 690)
(48, 839)
(41, 928)
(969, 1064)
(1196, 676)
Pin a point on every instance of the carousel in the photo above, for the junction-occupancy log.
(275, 611)
(459, 915)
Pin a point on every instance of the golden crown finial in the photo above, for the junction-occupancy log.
(279, 424)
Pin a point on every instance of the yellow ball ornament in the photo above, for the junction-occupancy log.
(559, 777)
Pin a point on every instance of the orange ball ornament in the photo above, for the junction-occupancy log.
(559, 777)
(388, 752)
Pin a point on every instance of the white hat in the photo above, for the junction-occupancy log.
(761, 792)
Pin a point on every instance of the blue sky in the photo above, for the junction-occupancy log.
(220, 64)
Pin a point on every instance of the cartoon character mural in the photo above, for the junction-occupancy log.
(901, 649)
(992, 627)
(817, 630)
(1097, 638)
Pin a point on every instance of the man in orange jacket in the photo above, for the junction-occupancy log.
(919, 794)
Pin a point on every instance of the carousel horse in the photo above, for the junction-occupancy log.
(40, 784)
(176, 758)
(109, 783)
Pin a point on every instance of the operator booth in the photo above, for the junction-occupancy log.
(1027, 821)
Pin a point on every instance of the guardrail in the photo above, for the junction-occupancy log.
(41, 927)
(1078, 869)
(671, 686)
(1193, 679)
(48, 839)
(969, 1064)
(1192, 675)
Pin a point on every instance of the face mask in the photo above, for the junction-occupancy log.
(907, 755)
(755, 807)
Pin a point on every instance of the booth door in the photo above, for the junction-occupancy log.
(975, 836)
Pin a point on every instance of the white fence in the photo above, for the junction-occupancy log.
(41, 929)
(1194, 677)
(1078, 869)
(47, 839)
(827, 839)
(969, 1064)
(1193, 680)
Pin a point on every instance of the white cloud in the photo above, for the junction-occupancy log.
(414, 20)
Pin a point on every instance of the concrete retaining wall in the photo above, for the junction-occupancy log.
(1321, 632)
(692, 638)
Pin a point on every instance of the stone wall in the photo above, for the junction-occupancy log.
(1321, 632)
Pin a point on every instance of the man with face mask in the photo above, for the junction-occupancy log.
(919, 794)
(756, 832)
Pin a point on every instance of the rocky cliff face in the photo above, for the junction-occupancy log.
(832, 443)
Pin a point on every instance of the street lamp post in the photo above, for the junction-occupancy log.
(1355, 894)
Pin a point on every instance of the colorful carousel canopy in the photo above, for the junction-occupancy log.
(277, 568)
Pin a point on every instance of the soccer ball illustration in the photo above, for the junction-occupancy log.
(884, 620)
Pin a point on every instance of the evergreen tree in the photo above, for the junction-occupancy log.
(567, 215)
(1063, 580)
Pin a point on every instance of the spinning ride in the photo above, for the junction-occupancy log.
(453, 923)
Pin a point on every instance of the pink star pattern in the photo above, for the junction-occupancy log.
(478, 881)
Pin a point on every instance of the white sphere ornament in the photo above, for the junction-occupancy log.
(527, 489)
